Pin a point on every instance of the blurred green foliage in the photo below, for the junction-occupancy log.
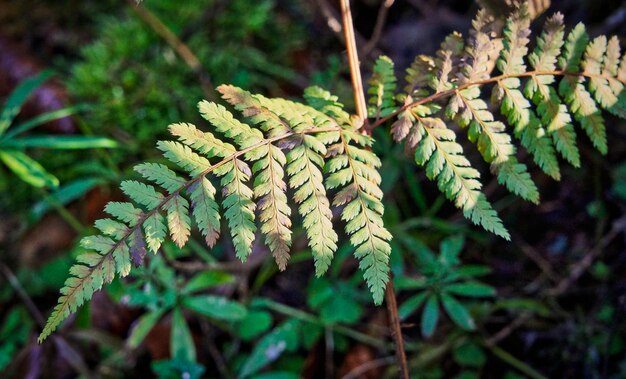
(140, 84)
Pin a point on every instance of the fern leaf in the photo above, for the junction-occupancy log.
(482, 51)
(243, 135)
(553, 113)
(382, 88)
(203, 142)
(438, 150)
(137, 247)
(514, 106)
(327, 103)
(111, 228)
(161, 175)
(353, 171)
(255, 107)
(495, 145)
(601, 60)
(178, 220)
(420, 74)
(269, 186)
(184, 157)
(87, 276)
(274, 212)
(306, 179)
(580, 102)
(205, 210)
(449, 57)
(141, 193)
(155, 230)
(238, 205)
(125, 212)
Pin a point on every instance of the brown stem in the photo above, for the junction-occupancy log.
(179, 46)
(361, 109)
(353, 59)
(396, 330)
(439, 95)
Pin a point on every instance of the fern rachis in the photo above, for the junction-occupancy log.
(318, 148)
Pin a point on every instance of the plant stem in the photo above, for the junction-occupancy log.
(396, 330)
(361, 109)
(450, 92)
(353, 59)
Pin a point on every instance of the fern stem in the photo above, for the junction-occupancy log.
(450, 92)
(396, 330)
(353, 58)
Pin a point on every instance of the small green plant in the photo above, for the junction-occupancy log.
(443, 281)
(13, 143)
(319, 149)
(166, 295)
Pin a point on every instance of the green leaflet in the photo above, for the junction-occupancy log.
(327, 103)
(515, 106)
(161, 175)
(443, 159)
(572, 90)
(305, 162)
(495, 145)
(382, 88)
(274, 212)
(205, 210)
(155, 231)
(553, 113)
(353, 173)
(178, 220)
(238, 205)
(602, 58)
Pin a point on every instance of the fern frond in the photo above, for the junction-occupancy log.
(321, 148)
(327, 103)
(382, 88)
(443, 158)
(304, 169)
(554, 114)
(494, 144)
(238, 205)
(514, 105)
(601, 62)
(274, 213)
(571, 88)
(161, 175)
(541, 113)
(205, 210)
(448, 61)
(92, 270)
(483, 50)
(353, 172)
(420, 74)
